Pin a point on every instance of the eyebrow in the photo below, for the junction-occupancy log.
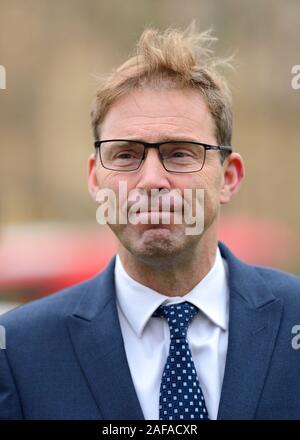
(166, 139)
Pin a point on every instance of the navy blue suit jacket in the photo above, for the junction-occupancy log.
(65, 356)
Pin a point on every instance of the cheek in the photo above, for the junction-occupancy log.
(211, 182)
(186, 181)
(109, 179)
(119, 184)
(208, 180)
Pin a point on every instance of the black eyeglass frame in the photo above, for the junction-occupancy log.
(98, 143)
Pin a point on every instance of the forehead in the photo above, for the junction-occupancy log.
(154, 114)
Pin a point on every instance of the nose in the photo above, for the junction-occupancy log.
(152, 174)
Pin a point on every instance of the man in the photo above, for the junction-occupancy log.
(176, 327)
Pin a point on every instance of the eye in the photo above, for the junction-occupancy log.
(180, 153)
(124, 156)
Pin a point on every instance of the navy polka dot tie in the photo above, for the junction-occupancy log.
(180, 395)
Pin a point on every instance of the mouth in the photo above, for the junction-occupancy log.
(153, 219)
(160, 211)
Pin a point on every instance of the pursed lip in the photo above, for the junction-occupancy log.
(151, 206)
(140, 211)
(160, 208)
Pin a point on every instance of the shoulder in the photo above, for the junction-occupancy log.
(284, 285)
(49, 314)
(46, 311)
(258, 284)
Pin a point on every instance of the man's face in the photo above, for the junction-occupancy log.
(155, 116)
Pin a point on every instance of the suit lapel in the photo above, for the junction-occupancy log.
(96, 336)
(254, 322)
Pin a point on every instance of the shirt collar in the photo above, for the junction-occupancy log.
(138, 302)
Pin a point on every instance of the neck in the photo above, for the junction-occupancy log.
(172, 279)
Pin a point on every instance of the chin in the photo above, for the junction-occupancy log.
(156, 245)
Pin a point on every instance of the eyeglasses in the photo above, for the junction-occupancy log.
(176, 156)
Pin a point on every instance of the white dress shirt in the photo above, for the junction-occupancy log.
(147, 338)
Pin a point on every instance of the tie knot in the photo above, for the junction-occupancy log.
(178, 316)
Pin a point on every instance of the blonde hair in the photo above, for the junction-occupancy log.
(171, 59)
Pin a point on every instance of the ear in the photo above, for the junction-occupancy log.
(92, 176)
(234, 171)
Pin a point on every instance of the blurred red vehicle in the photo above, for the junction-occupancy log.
(39, 259)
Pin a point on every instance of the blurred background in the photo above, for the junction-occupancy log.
(53, 51)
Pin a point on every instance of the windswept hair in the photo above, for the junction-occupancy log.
(171, 59)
